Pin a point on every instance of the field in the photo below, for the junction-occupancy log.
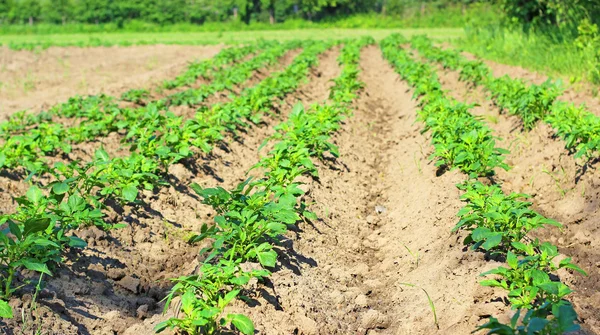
(310, 185)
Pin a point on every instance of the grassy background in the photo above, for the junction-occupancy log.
(547, 52)
(127, 38)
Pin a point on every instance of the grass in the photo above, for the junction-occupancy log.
(545, 52)
(201, 38)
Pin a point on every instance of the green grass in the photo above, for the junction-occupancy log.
(200, 38)
(545, 52)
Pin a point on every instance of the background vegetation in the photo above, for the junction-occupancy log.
(559, 37)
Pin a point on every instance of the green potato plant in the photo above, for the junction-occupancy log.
(577, 126)
(138, 96)
(251, 217)
(497, 222)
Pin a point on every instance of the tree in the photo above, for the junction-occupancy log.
(5, 6)
(25, 11)
(56, 11)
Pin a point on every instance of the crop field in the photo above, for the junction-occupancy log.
(361, 185)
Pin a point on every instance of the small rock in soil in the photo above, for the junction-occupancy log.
(380, 209)
(362, 300)
(98, 288)
(87, 234)
(115, 273)
(307, 325)
(130, 283)
(360, 269)
(142, 312)
(374, 319)
(46, 294)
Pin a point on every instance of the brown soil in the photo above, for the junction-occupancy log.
(562, 188)
(36, 80)
(347, 273)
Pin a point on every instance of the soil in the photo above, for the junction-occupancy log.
(31, 81)
(348, 272)
(562, 188)
(381, 247)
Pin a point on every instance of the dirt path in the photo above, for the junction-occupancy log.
(561, 188)
(345, 273)
(36, 80)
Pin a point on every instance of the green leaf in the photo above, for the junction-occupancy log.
(268, 258)
(536, 325)
(240, 281)
(512, 260)
(43, 242)
(491, 282)
(6, 311)
(161, 326)
(566, 263)
(32, 226)
(130, 192)
(37, 267)
(119, 226)
(242, 323)
(298, 108)
(527, 249)
(566, 318)
(310, 215)
(76, 242)
(492, 241)
(14, 229)
(60, 188)
(228, 297)
(101, 155)
(197, 188)
(34, 194)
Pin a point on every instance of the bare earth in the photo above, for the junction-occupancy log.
(35, 80)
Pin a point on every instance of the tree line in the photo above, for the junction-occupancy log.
(165, 12)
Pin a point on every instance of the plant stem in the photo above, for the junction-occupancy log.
(11, 274)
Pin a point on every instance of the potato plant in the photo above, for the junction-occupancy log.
(233, 75)
(252, 215)
(205, 68)
(576, 125)
(41, 228)
(460, 140)
(496, 222)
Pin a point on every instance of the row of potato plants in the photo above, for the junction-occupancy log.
(28, 137)
(498, 223)
(226, 80)
(252, 217)
(21, 121)
(577, 126)
(100, 116)
(42, 225)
